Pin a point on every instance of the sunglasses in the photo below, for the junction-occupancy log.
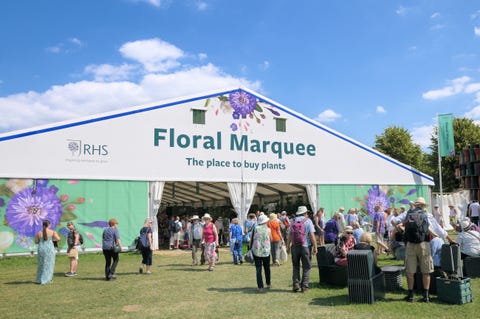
(349, 233)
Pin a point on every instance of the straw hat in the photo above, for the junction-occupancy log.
(194, 217)
(207, 216)
(420, 201)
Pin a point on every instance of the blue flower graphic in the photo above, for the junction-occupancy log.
(28, 209)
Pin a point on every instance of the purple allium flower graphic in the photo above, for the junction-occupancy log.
(236, 115)
(242, 103)
(234, 127)
(26, 211)
(24, 241)
(376, 197)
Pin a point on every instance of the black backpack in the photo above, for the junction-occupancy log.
(416, 226)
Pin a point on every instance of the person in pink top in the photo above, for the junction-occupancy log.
(210, 240)
(345, 244)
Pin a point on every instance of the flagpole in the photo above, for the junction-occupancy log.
(439, 163)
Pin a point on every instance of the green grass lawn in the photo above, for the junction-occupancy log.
(178, 290)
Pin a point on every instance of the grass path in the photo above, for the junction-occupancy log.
(178, 290)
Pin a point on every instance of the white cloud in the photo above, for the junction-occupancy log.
(265, 65)
(76, 41)
(154, 54)
(476, 30)
(380, 109)
(54, 49)
(108, 73)
(328, 116)
(201, 5)
(401, 11)
(435, 15)
(421, 135)
(68, 46)
(155, 3)
(73, 100)
(472, 87)
(473, 113)
(475, 15)
(454, 87)
(202, 56)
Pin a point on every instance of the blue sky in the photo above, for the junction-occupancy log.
(357, 66)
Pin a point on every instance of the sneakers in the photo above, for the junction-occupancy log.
(304, 290)
(296, 287)
(426, 299)
(70, 274)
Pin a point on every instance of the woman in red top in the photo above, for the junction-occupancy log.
(210, 240)
(275, 238)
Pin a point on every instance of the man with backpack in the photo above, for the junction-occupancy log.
(74, 240)
(418, 224)
(301, 235)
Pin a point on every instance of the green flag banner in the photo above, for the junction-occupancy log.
(445, 135)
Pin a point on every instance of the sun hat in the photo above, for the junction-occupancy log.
(207, 216)
(272, 216)
(195, 217)
(465, 223)
(302, 210)
(262, 219)
(284, 213)
(348, 229)
(420, 201)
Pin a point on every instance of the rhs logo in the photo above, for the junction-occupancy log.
(78, 148)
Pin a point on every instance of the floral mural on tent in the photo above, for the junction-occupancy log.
(26, 203)
(365, 197)
(243, 108)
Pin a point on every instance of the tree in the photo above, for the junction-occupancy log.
(465, 133)
(397, 143)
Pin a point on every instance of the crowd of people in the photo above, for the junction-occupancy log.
(417, 232)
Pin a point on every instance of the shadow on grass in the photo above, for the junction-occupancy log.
(248, 290)
(339, 300)
(29, 282)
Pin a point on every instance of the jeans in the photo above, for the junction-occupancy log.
(236, 249)
(301, 254)
(109, 267)
(265, 261)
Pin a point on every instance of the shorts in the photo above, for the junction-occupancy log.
(75, 252)
(418, 255)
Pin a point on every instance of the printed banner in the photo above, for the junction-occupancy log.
(445, 135)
